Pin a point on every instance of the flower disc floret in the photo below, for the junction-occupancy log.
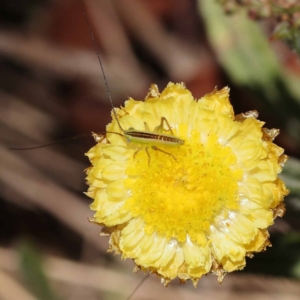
(186, 209)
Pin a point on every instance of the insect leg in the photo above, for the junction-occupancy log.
(137, 151)
(157, 149)
(147, 151)
(146, 126)
(168, 125)
(160, 127)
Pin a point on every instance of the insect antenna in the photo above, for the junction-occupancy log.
(102, 69)
(50, 144)
(115, 115)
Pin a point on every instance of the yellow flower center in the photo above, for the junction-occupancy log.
(182, 197)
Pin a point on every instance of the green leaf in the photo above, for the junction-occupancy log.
(244, 52)
(33, 274)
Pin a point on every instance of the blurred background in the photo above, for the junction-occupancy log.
(51, 88)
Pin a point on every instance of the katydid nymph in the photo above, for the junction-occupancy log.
(145, 139)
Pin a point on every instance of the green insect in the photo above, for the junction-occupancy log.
(145, 139)
(148, 138)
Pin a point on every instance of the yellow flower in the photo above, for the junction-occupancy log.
(187, 209)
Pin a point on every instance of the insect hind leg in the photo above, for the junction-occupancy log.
(148, 154)
(165, 152)
(160, 127)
